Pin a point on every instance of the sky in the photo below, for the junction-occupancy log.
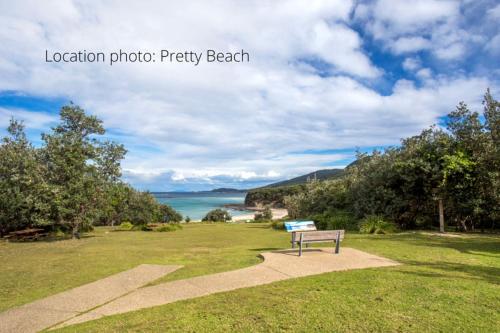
(325, 78)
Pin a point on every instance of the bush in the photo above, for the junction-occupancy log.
(375, 224)
(168, 227)
(217, 215)
(187, 219)
(144, 227)
(265, 215)
(168, 214)
(335, 220)
(126, 226)
(278, 225)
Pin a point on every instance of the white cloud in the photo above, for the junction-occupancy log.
(441, 27)
(424, 73)
(412, 64)
(494, 13)
(233, 122)
(410, 44)
(493, 45)
(32, 120)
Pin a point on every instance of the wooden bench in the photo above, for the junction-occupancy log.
(305, 232)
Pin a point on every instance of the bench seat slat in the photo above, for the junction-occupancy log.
(319, 235)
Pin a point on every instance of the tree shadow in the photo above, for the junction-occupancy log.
(50, 239)
(472, 244)
(445, 269)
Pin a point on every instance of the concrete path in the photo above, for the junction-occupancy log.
(49, 311)
(279, 265)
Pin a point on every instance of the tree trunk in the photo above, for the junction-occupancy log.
(74, 232)
(464, 225)
(441, 216)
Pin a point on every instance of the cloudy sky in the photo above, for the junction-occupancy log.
(324, 78)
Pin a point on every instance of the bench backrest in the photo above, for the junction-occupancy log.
(295, 226)
(320, 235)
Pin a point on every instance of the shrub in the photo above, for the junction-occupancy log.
(278, 225)
(217, 215)
(168, 227)
(265, 215)
(126, 226)
(168, 214)
(144, 227)
(335, 220)
(375, 224)
(187, 219)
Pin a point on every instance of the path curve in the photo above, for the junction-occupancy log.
(278, 265)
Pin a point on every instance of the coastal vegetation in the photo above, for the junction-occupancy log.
(71, 181)
(447, 175)
(265, 215)
(271, 196)
(217, 215)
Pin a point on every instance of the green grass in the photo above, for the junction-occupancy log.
(445, 284)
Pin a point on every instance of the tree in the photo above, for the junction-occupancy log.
(142, 208)
(23, 189)
(169, 215)
(217, 215)
(78, 165)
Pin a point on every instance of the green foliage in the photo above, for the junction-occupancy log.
(278, 225)
(317, 198)
(71, 182)
(459, 168)
(265, 215)
(168, 215)
(217, 215)
(126, 226)
(335, 220)
(24, 192)
(187, 219)
(273, 197)
(375, 224)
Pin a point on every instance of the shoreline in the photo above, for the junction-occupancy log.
(278, 213)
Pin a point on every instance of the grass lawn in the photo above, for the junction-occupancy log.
(445, 284)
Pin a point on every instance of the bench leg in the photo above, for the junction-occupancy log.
(337, 243)
(293, 240)
(300, 249)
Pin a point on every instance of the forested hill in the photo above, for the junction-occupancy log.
(318, 175)
(275, 193)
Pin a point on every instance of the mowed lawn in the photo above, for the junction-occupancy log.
(445, 283)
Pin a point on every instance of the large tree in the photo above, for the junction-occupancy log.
(23, 189)
(78, 166)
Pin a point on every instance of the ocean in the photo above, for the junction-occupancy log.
(197, 204)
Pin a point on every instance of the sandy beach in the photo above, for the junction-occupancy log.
(278, 213)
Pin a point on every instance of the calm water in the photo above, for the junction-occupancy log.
(197, 204)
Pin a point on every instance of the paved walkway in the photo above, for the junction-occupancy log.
(122, 293)
(46, 312)
(279, 265)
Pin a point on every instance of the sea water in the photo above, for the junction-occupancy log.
(197, 204)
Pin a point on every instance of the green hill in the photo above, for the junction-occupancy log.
(318, 175)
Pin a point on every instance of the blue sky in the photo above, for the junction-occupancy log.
(325, 78)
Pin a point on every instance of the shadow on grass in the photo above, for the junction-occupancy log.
(444, 269)
(472, 244)
(52, 239)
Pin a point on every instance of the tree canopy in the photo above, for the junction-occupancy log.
(455, 168)
(72, 181)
